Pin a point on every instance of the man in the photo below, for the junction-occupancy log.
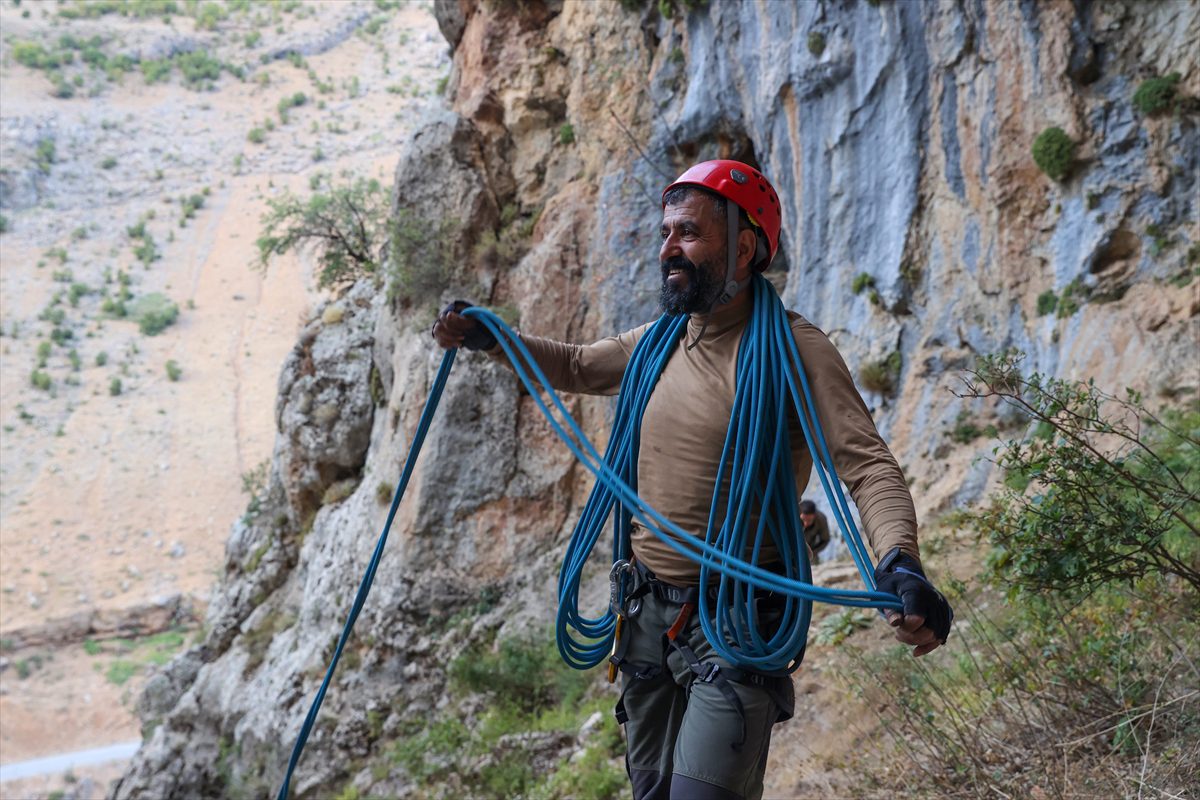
(696, 730)
(816, 528)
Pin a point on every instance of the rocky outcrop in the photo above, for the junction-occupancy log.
(898, 135)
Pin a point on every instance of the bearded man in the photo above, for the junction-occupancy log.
(698, 726)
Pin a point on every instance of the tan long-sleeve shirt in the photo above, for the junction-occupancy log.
(686, 419)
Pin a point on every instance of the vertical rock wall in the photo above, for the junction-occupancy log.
(898, 135)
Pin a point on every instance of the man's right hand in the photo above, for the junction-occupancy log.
(452, 329)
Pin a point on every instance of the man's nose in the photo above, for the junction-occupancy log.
(670, 247)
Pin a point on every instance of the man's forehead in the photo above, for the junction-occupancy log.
(696, 207)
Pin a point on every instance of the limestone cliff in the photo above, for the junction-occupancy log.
(915, 223)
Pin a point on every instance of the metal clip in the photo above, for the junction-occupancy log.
(619, 591)
(612, 657)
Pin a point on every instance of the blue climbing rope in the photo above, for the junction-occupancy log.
(756, 456)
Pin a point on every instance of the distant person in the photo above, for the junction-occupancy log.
(816, 528)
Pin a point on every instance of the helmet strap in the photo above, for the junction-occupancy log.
(732, 286)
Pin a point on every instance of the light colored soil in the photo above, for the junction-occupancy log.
(113, 501)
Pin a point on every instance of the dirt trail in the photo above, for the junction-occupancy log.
(112, 500)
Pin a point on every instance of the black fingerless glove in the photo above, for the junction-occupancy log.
(479, 337)
(900, 574)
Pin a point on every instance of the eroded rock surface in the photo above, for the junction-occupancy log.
(901, 148)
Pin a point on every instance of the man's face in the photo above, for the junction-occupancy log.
(692, 255)
(807, 518)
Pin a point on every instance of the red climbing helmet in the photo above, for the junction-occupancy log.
(746, 187)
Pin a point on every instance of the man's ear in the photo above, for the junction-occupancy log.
(747, 244)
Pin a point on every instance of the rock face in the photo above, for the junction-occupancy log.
(898, 136)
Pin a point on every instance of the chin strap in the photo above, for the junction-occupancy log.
(731, 286)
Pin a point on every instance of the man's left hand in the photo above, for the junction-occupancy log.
(925, 622)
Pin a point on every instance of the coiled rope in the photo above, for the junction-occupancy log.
(757, 458)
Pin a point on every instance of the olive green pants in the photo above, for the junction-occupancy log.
(682, 732)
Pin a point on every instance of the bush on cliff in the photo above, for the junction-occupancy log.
(1054, 152)
(344, 226)
(1156, 95)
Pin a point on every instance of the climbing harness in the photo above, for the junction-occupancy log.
(770, 380)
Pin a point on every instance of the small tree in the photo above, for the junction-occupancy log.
(345, 226)
(1100, 491)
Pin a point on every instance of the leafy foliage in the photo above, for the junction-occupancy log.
(345, 226)
(154, 313)
(1054, 153)
(1101, 491)
(423, 258)
(881, 376)
(1073, 671)
(1156, 95)
(532, 704)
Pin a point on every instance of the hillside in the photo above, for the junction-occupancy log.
(125, 453)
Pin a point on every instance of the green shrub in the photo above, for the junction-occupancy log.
(881, 376)
(1047, 301)
(3, 224)
(1115, 488)
(108, 163)
(209, 15)
(346, 226)
(44, 349)
(154, 313)
(256, 136)
(1156, 95)
(45, 155)
(862, 281)
(101, 358)
(199, 69)
(120, 671)
(566, 133)
(1073, 295)
(115, 387)
(77, 291)
(147, 251)
(1054, 153)
(174, 371)
(816, 43)
(526, 674)
(40, 380)
(156, 71)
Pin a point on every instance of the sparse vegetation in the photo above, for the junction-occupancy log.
(288, 103)
(1075, 670)
(1054, 153)
(45, 155)
(41, 380)
(115, 387)
(882, 376)
(527, 688)
(345, 226)
(1157, 95)
(816, 43)
(1073, 295)
(1047, 301)
(566, 133)
(174, 371)
(154, 313)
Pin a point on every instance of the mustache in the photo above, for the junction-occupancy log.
(679, 263)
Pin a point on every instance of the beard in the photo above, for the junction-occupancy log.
(703, 284)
